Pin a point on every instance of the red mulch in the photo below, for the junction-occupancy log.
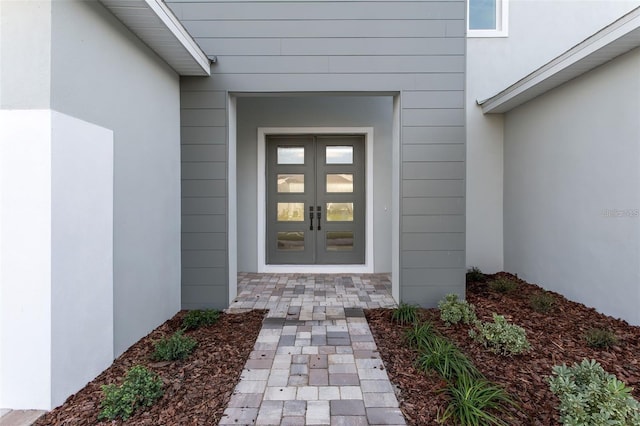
(196, 391)
(555, 337)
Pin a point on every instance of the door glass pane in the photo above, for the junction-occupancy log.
(290, 155)
(340, 212)
(291, 241)
(339, 155)
(340, 182)
(290, 212)
(290, 183)
(339, 240)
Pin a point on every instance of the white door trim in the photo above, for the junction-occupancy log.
(367, 268)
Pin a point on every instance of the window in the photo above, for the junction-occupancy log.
(487, 18)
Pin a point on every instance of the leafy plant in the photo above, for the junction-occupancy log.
(474, 274)
(453, 311)
(591, 396)
(420, 335)
(445, 358)
(405, 314)
(200, 318)
(140, 388)
(600, 338)
(173, 348)
(474, 402)
(503, 285)
(501, 337)
(542, 302)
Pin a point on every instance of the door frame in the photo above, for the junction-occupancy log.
(263, 267)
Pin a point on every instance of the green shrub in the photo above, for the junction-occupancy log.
(420, 335)
(591, 396)
(140, 388)
(405, 314)
(445, 358)
(173, 348)
(600, 338)
(474, 402)
(501, 337)
(542, 302)
(453, 311)
(503, 285)
(200, 318)
(475, 275)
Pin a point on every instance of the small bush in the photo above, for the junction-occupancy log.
(600, 338)
(445, 358)
(420, 335)
(174, 348)
(474, 402)
(591, 396)
(405, 314)
(200, 318)
(141, 388)
(500, 337)
(503, 285)
(453, 311)
(542, 302)
(475, 275)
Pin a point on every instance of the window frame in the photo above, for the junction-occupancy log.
(502, 22)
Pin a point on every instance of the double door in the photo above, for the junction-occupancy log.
(315, 199)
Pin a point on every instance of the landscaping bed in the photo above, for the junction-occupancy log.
(556, 337)
(196, 390)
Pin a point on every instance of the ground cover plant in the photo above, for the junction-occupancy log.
(556, 338)
(195, 391)
(405, 314)
(176, 347)
(454, 311)
(200, 318)
(542, 302)
(140, 389)
(500, 337)
(600, 338)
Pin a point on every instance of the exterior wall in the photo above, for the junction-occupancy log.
(103, 74)
(342, 111)
(416, 49)
(572, 194)
(538, 32)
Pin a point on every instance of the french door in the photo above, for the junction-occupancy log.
(315, 192)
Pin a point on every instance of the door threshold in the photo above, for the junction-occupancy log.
(316, 269)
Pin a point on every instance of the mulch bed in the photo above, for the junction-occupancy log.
(556, 337)
(196, 391)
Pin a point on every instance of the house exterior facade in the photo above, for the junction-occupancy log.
(150, 150)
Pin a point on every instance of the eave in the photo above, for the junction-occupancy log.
(618, 38)
(154, 23)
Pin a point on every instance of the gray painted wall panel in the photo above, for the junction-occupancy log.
(436, 224)
(203, 223)
(434, 170)
(433, 188)
(204, 241)
(204, 258)
(435, 152)
(198, 153)
(203, 134)
(413, 48)
(430, 241)
(432, 206)
(204, 205)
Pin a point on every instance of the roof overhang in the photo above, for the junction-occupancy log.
(614, 40)
(154, 23)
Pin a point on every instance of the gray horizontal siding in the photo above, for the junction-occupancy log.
(414, 48)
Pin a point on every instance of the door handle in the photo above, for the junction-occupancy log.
(310, 218)
(319, 216)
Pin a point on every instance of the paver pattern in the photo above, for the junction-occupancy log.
(315, 361)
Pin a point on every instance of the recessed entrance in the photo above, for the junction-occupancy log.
(315, 193)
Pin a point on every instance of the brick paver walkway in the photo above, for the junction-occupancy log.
(315, 361)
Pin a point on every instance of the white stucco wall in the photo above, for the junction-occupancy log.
(308, 111)
(539, 30)
(103, 74)
(572, 189)
(25, 259)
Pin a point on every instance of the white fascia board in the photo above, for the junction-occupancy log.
(614, 40)
(156, 25)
